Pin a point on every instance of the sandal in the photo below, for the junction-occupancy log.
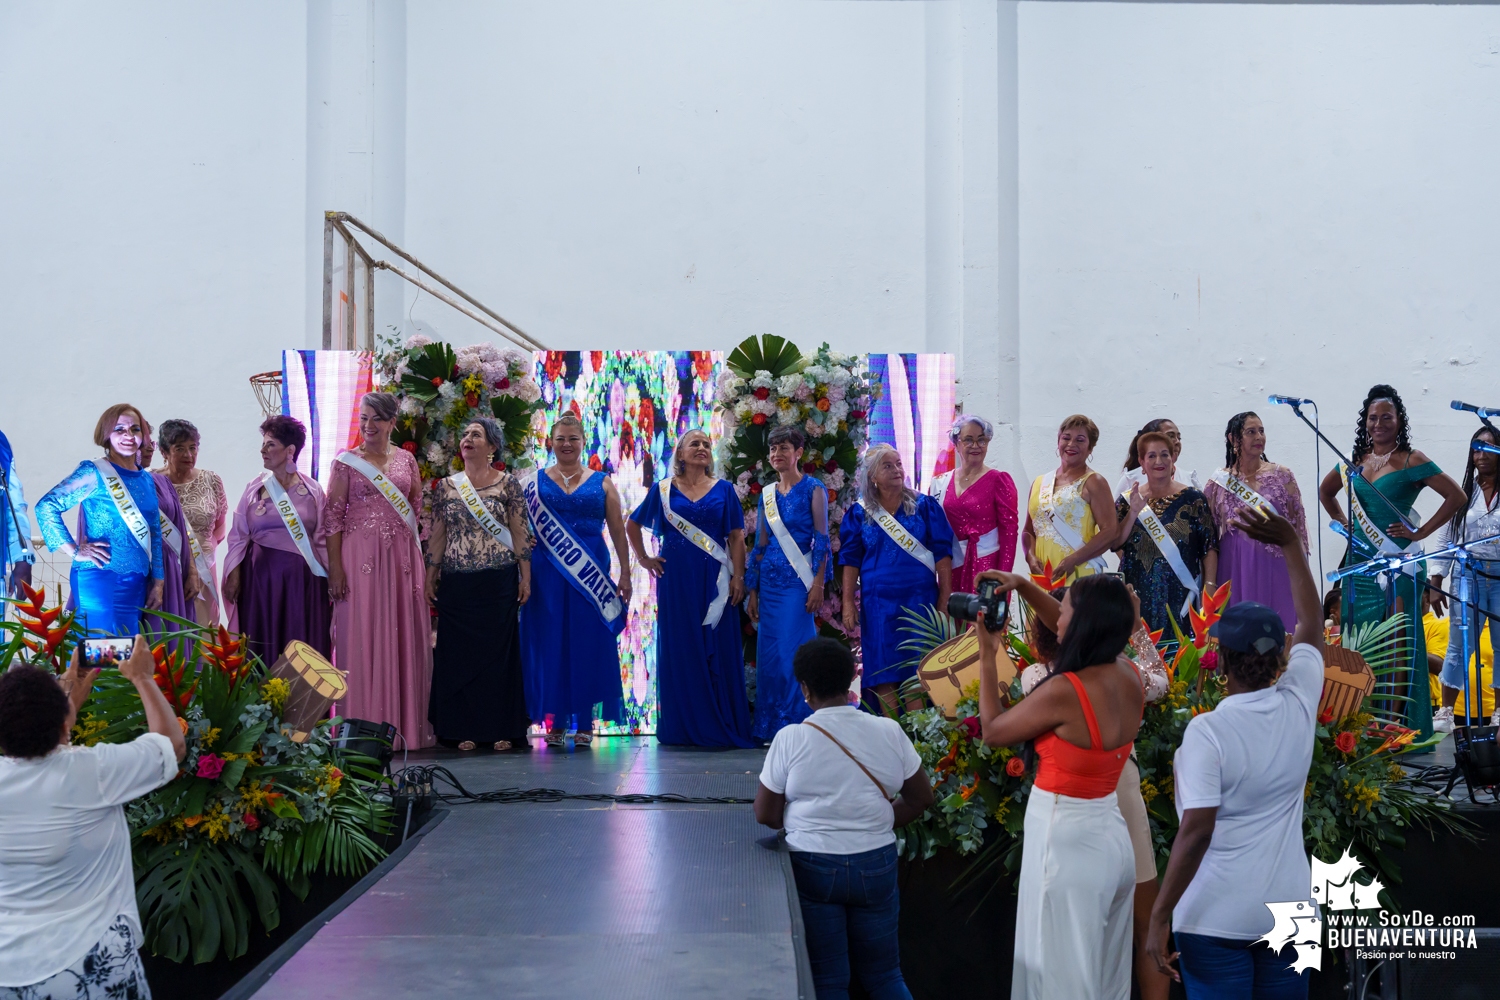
(503, 746)
(556, 739)
(582, 740)
(466, 745)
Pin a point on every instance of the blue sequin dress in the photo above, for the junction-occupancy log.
(111, 598)
(700, 669)
(785, 622)
(569, 657)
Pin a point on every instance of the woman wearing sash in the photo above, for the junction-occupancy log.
(784, 581)
(275, 576)
(179, 573)
(478, 576)
(1254, 570)
(570, 624)
(382, 632)
(1135, 474)
(1392, 476)
(1066, 508)
(896, 546)
(700, 667)
(980, 504)
(1169, 545)
(204, 504)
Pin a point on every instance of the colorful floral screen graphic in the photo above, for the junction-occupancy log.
(634, 405)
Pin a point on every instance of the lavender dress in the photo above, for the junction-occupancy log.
(173, 596)
(1257, 571)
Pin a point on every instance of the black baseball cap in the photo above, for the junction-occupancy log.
(1248, 627)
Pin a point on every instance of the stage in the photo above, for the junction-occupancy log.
(570, 898)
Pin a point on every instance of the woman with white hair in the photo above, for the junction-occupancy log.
(895, 544)
(980, 502)
(700, 566)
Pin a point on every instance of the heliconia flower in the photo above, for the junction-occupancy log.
(967, 792)
(1155, 636)
(1325, 717)
(1400, 738)
(1047, 578)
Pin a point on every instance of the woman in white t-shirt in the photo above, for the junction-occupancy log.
(839, 783)
(1240, 778)
(69, 926)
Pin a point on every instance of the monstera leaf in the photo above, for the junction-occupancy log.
(428, 370)
(191, 903)
(767, 353)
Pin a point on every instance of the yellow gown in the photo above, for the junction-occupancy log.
(1066, 504)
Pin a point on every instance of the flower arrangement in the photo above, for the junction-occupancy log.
(441, 390)
(769, 383)
(250, 812)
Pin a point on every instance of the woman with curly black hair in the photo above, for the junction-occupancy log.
(1389, 476)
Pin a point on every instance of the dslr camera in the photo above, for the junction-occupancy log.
(989, 603)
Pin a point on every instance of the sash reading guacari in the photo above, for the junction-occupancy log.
(566, 551)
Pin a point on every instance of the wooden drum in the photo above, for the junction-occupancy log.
(315, 685)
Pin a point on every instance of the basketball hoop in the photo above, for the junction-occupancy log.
(267, 386)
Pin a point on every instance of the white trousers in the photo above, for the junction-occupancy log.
(1074, 914)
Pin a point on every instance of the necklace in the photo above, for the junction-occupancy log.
(1374, 462)
(567, 479)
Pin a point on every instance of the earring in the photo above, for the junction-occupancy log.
(492, 458)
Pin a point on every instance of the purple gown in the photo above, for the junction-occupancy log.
(1254, 570)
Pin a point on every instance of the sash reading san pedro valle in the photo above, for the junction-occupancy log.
(794, 555)
(694, 534)
(567, 552)
(125, 504)
(288, 513)
(479, 511)
(387, 489)
(898, 534)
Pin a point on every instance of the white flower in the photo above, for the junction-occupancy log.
(834, 480)
(812, 429)
(729, 383)
(742, 409)
(835, 392)
(762, 380)
(526, 389)
(788, 417)
(804, 391)
(788, 385)
(837, 411)
(417, 340)
(743, 479)
(435, 453)
(742, 490)
(448, 390)
(410, 405)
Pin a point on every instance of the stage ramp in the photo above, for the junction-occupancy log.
(573, 898)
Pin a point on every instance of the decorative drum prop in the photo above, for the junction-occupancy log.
(315, 685)
(946, 670)
(1347, 679)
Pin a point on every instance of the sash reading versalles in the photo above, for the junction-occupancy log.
(564, 549)
(288, 512)
(475, 504)
(1168, 549)
(898, 534)
(125, 504)
(694, 534)
(387, 489)
(789, 548)
(1237, 486)
(1070, 536)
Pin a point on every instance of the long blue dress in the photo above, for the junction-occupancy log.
(570, 658)
(891, 581)
(785, 622)
(109, 599)
(700, 670)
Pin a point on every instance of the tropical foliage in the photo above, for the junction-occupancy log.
(250, 812)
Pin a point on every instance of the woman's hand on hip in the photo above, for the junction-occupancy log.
(94, 552)
(655, 565)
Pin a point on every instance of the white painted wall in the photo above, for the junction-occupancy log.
(1222, 201)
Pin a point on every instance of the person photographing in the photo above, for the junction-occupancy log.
(1239, 778)
(69, 925)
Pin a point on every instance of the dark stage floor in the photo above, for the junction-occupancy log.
(573, 898)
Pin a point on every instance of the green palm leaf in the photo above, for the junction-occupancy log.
(767, 353)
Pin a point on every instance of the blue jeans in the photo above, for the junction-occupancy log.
(1484, 592)
(851, 908)
(1215, 968)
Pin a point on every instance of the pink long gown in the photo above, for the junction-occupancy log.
(989, 505)
(382, 634)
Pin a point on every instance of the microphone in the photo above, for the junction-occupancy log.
(1481, 446)
(1287, 400)
(1483, 412)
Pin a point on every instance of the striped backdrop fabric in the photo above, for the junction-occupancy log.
(322, 389)
(917, 404)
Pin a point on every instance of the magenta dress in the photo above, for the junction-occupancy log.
(1257, 571)
(280, 598)
(382, 632)
(985, 522)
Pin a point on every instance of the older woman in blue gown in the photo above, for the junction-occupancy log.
(700, 666)
(895, 545)
(784, 581)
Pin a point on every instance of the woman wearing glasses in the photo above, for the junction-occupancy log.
(980, 504)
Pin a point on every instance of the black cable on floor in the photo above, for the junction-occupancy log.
(429, 777)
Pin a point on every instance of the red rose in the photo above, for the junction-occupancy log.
(251, 823)
(830, 466)
(210, 766)
(497, 464)
(856, 414)
(755, 488)
(1346, 742)
(1210, 660)
(437, 380)
(1326, 717)
(471, 398)
(809, 467)
(504, 383)
(1015, 767)
(971, 726)
(758, 419)
(762, 393)
(409, 446)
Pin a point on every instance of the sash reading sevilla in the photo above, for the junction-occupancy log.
(565, 551)
(293, 523)
(789, 548)
(1237, 486)
(694, 534)
(387, 489)
(1367, 527)
(898, 534)
(987, 543)
(1168, 549)
(471, 499)
(125, 504)
(1065, 531)
(171, 536)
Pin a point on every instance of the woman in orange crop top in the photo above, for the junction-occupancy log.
(1073, 916)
